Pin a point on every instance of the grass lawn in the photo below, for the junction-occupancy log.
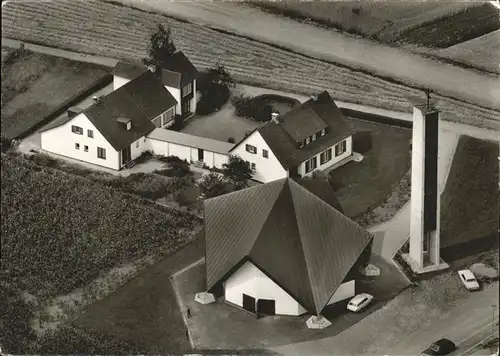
(365, 185)
(60, 231)
(432, 24)
(469, 203)
(238, 329)
(33, 85)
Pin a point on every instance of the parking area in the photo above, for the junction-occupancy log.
(236, 328)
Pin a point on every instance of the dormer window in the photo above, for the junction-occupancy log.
(301, 144)
(313, 137)
(308, 140)
(322, 132)
(125, 123)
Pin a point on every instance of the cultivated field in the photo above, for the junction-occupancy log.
(431, 24)
(482, 52)
(33, 85)
(122, 32)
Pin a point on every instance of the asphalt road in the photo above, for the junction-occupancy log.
(465, 323)
(329, 45)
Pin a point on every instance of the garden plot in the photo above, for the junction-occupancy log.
(61, 232)
(34, 85)
(123, 32)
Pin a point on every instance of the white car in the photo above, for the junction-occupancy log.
(468, 279)
(359, 302)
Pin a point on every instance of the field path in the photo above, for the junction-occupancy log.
(332, 46)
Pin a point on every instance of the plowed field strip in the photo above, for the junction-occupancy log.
(114, 31)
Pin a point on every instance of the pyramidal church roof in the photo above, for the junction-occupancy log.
(300, 241)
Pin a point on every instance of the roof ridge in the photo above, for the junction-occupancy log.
(300, 234)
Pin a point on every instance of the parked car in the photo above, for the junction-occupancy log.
(468, 279)
(440, 347)
(359, 302)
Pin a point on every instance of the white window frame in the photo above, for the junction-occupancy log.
(313, 137)
(328, 154)
(103, 150)
(90, 133)
(322, 132)
(77, 130)
(265, 153)
(187, 89)
(251, 149)
(137, 143)
(166, 117)
(308, 140)
(313, 164)
(340, 148)
(155, 120)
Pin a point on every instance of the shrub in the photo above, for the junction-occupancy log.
(5, 144)
(213, 97)
(238, 171)
(178, 123)
(177, 168)
(231, 140)
(320, 175)
(252, 108)
(263, 113)
(213, 185)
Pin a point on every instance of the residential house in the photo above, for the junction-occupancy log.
(278, 248)
(178, 75)
(313, 135)
(119, 127)
(112, 131)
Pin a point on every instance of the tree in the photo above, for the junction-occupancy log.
(212, 185)
(161, 47)
(218, 75)
(238, 171)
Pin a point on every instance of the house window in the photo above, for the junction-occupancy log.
(137, 143)
(340, 148)
(322, 132)
(157, 121)
(77, 146)
(311, 164)
(313, 137)
(101, 153)
(86, 148)
(251, 149)
(325, 156)
(308, 140)
(167, 116)
(301, 144)
(187, 89)
(76, 129)
(265, 153)
(90, 133)
(252, 165)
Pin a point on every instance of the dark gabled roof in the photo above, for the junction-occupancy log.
(176, 73)
(322, 190)
(139, 101)
(300, 241)
(305, 119)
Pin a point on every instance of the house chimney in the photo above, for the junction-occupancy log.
(274, 117)
(152, 68)
(425, 191)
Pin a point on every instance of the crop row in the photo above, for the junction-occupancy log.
(110, 30)
(60, 231)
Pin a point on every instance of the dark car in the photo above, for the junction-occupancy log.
(440, 347)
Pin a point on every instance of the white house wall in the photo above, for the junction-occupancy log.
(267, 169)
(137, 147)
(190, 154)
(302, 167)
(119, 82)
(346, 290)
(251, 281)
(61, 140)
(176, 93)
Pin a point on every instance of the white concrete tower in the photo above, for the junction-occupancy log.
(425, 198)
